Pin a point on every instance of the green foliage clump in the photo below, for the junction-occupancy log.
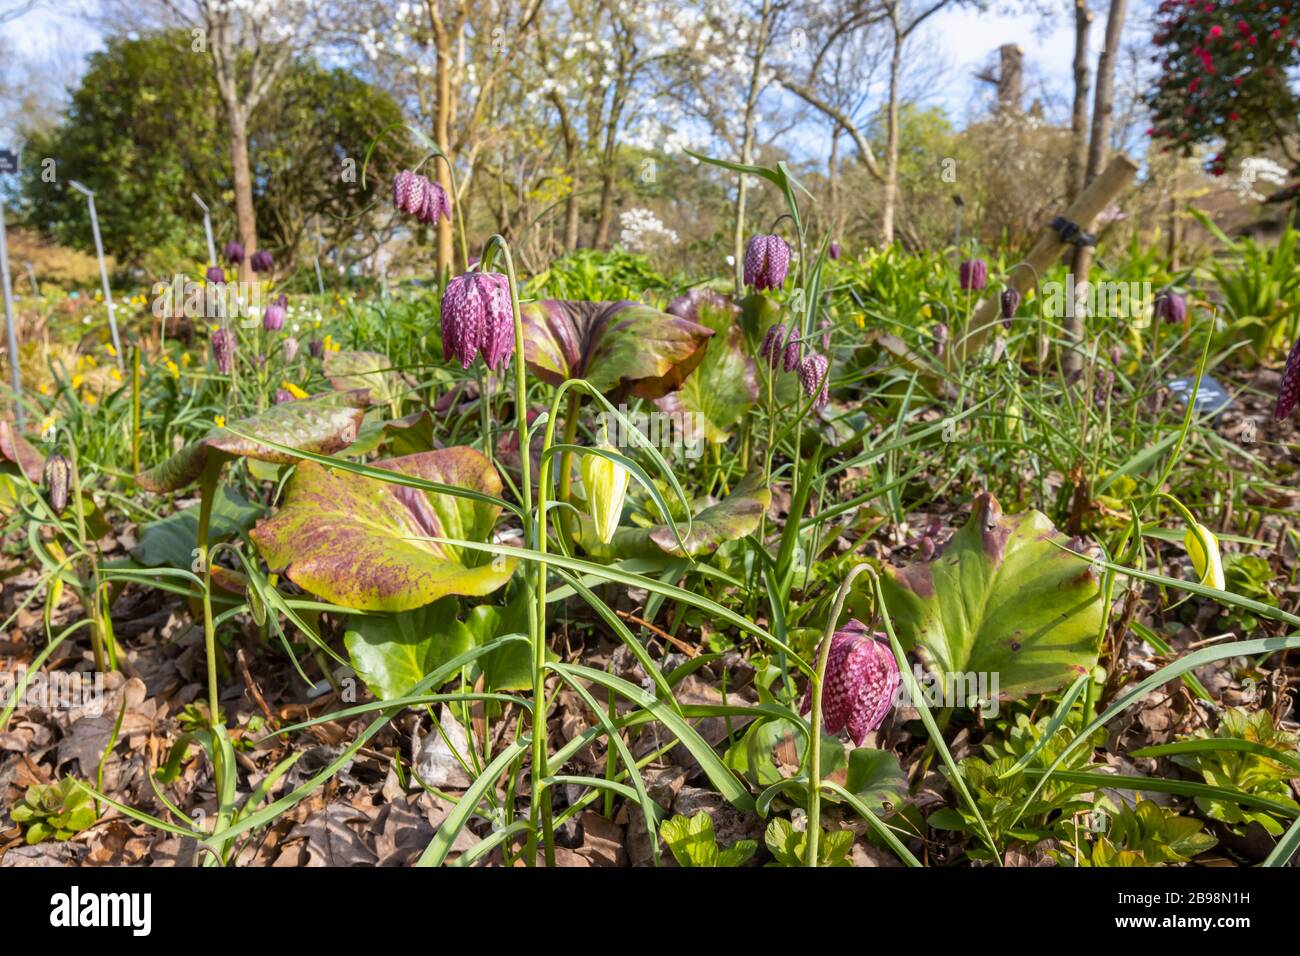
(56, 811)
(693, 843)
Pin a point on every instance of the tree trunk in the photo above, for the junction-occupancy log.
(608, 171)
(1098, 146)
(245, 216)
(1079, 118)
(747, 145)
(891, 137)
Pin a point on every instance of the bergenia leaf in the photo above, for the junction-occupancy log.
(621, 348)
(372, 370)
(321, 424)
(14, 448)
(729, 520)
(362, 543)
(1003, 599)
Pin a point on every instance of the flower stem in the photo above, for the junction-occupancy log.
(815, 720)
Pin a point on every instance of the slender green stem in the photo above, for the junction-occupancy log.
(540, 815)
(815, 733)
(207, 492)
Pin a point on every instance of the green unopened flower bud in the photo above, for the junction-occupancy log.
(57, 476)
(605, 482)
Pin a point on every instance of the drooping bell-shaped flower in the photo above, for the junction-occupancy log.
(833, 250)
(773, 346)
(234, 252)
(417, 196)
(1171, 307)
(940, 332)
(316, 348)
(767, 259)
(814, 378)
(476, 317)
(1208, 566)
(283, 395)
(57, 477)
(790, 357)
(275, 314)
(605, 482)
(261, 261)
(826, 329)
(1288, 391)
(1010, 303)
(436, 205)
(216, 274)
(973, 275)
(223, 350)
(290, 349)
(862, 680)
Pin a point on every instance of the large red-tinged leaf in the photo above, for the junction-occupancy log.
(373, 370)
(621, 348)
(322, 424)
(1001, 599)
(725, 385)
(14, 448)
(362, 543)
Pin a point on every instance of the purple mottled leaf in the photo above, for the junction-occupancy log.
(361, 543)
(621, 348)
(321, 424)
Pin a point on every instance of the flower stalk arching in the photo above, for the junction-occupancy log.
(815, 718)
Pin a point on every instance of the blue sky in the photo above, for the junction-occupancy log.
(967, 39)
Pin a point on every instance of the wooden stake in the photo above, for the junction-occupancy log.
(1119, 172)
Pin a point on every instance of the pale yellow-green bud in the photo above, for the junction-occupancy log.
(1211, 570)
(605, 482)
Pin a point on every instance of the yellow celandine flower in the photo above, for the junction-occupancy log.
(1211, 569)
(77, 380)
(172, 367)
(117, 376)
(90, 398)
(293, 389)
(605, 482)
(111, 351)
(185, 360)
(220, 421)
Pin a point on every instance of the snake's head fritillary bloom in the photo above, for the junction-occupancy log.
(973, 275)
(476, 317)
(223, 350)
(56, 477)
(1171, 307)
(814, 378)
(261, 261)
(1010, 303)
(234, 252)
(275, 314)
(772, 346)
(767, 260)
(1288, 392)
(862, 680)
(834, 250)
(216, 274)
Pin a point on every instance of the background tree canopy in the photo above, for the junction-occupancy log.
(145, 129)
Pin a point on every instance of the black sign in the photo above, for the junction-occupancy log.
(8, 161)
